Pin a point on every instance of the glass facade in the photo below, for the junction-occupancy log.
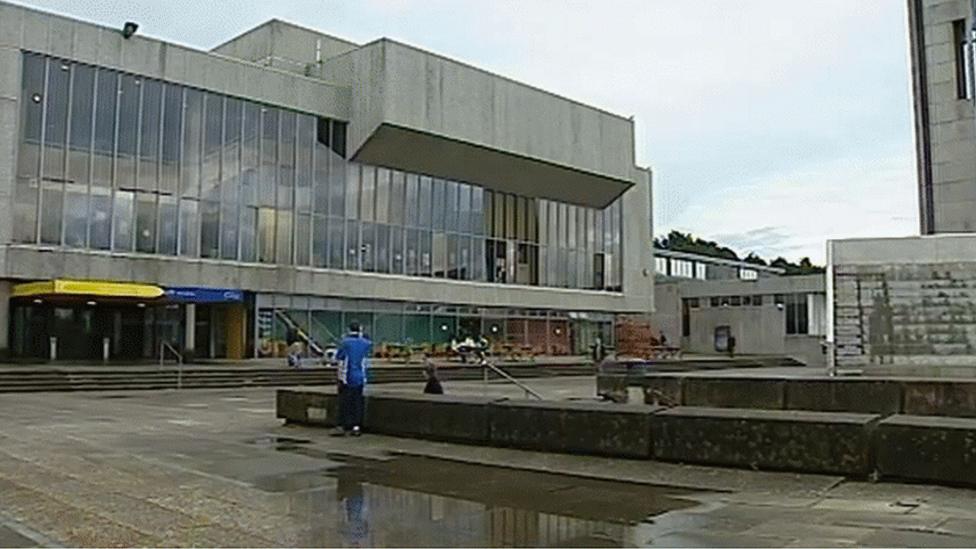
(114, 161)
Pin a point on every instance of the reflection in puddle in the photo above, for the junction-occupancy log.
(415, 501)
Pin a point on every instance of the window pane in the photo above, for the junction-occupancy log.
(426, 254)
(303, 167)
(228, 231)
(172, 129)
(367, 197)
(250, 155)
(465, 219)
(382, 195)
(266, 228)
(75, 215)
(396, 250)
(477, 211)
(192, 135)
(283, 233)
(397, 204)
(129, 91)
(426, 207)
(189, 228)
(286, 162)
(439, 204)
(167, 225)
(453, 263)
(337, 180)
(101, 219)
(51, 204)
(82, 105)
(28, 165)
(413, 252)
(352, 246)
(209, 228)
(212, 138)
(269, 157)
(336, 244)
(367, 247)
(230, 166)
(145, 222)
(382, 248)
(123, 225)
(249, 220)
(303, 243)
(410, 205)
(320, 241)
(440, 255)
(106, 91)
(56, 119)
(353, 177)
(464, 258)
(478, 259)
(451, 206)
(152, 97)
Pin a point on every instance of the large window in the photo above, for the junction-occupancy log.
(797, 318)
(114, 161)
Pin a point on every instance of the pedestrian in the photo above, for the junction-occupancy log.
(663, 339)
(433, 386)
(731, 346)
(353, 356)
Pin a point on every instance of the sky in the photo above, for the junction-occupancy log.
(771, 126)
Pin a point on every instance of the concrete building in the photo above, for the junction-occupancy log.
(908, 305)
(943, 84)
(290, 181)
(767, 313)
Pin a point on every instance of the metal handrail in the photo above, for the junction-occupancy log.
(506, 376)
(163, 346)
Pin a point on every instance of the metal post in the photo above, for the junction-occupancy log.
(53, 348)
(105, 349)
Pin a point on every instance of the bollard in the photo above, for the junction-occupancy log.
(53, 351)
(105, 349)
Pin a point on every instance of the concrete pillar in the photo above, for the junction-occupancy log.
(190, 331)
(4, 319)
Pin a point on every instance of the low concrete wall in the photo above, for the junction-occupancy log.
(573, 427)
(815, 442)
(942, 398)
(318, 407)
(729, 392)
(833, 395)
(435, 417)
(928, 448)
(613, 387)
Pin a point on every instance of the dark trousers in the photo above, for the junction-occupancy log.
(351, 405)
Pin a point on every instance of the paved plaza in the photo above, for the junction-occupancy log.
(208, 467)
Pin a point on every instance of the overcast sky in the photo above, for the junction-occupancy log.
(771, 125)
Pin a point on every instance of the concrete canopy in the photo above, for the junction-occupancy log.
(414, 151)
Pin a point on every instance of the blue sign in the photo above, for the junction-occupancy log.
(204, 295)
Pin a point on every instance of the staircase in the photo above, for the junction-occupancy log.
(302, 334)
(108, 378)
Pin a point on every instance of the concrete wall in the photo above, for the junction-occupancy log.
(284, 45)
(945, 125)
(757, 330)
(902, 303)
(667, 310)
(559, 148)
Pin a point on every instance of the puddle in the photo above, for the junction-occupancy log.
(278, 443)
(416, 501)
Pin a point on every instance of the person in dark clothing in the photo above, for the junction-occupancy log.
(731, 346)
(433, 386)
(353, 356)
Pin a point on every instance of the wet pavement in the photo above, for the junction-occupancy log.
(215, 468)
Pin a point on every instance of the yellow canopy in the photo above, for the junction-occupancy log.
(92, 288)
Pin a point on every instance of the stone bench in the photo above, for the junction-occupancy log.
(787, 440)
(939, 398)
(733, 392)
(619, 430)
(436, 417)
(928, 448)
(861, 396)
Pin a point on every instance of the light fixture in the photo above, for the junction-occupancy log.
(141, 305)
(129, 29)
(36, 98)
(90, 303)
(38, 301)
(443, 327)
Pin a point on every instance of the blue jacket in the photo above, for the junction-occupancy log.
(353, 356)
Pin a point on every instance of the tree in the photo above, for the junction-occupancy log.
(686, 242)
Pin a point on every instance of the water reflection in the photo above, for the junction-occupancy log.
(431, 503)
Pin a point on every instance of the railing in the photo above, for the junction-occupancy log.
(507, 377)
(163, 347)
(300, 332)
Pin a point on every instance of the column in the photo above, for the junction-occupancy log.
(190, 331)
(4, 319)
(236, 331)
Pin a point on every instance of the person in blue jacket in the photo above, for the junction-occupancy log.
(353, 356)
